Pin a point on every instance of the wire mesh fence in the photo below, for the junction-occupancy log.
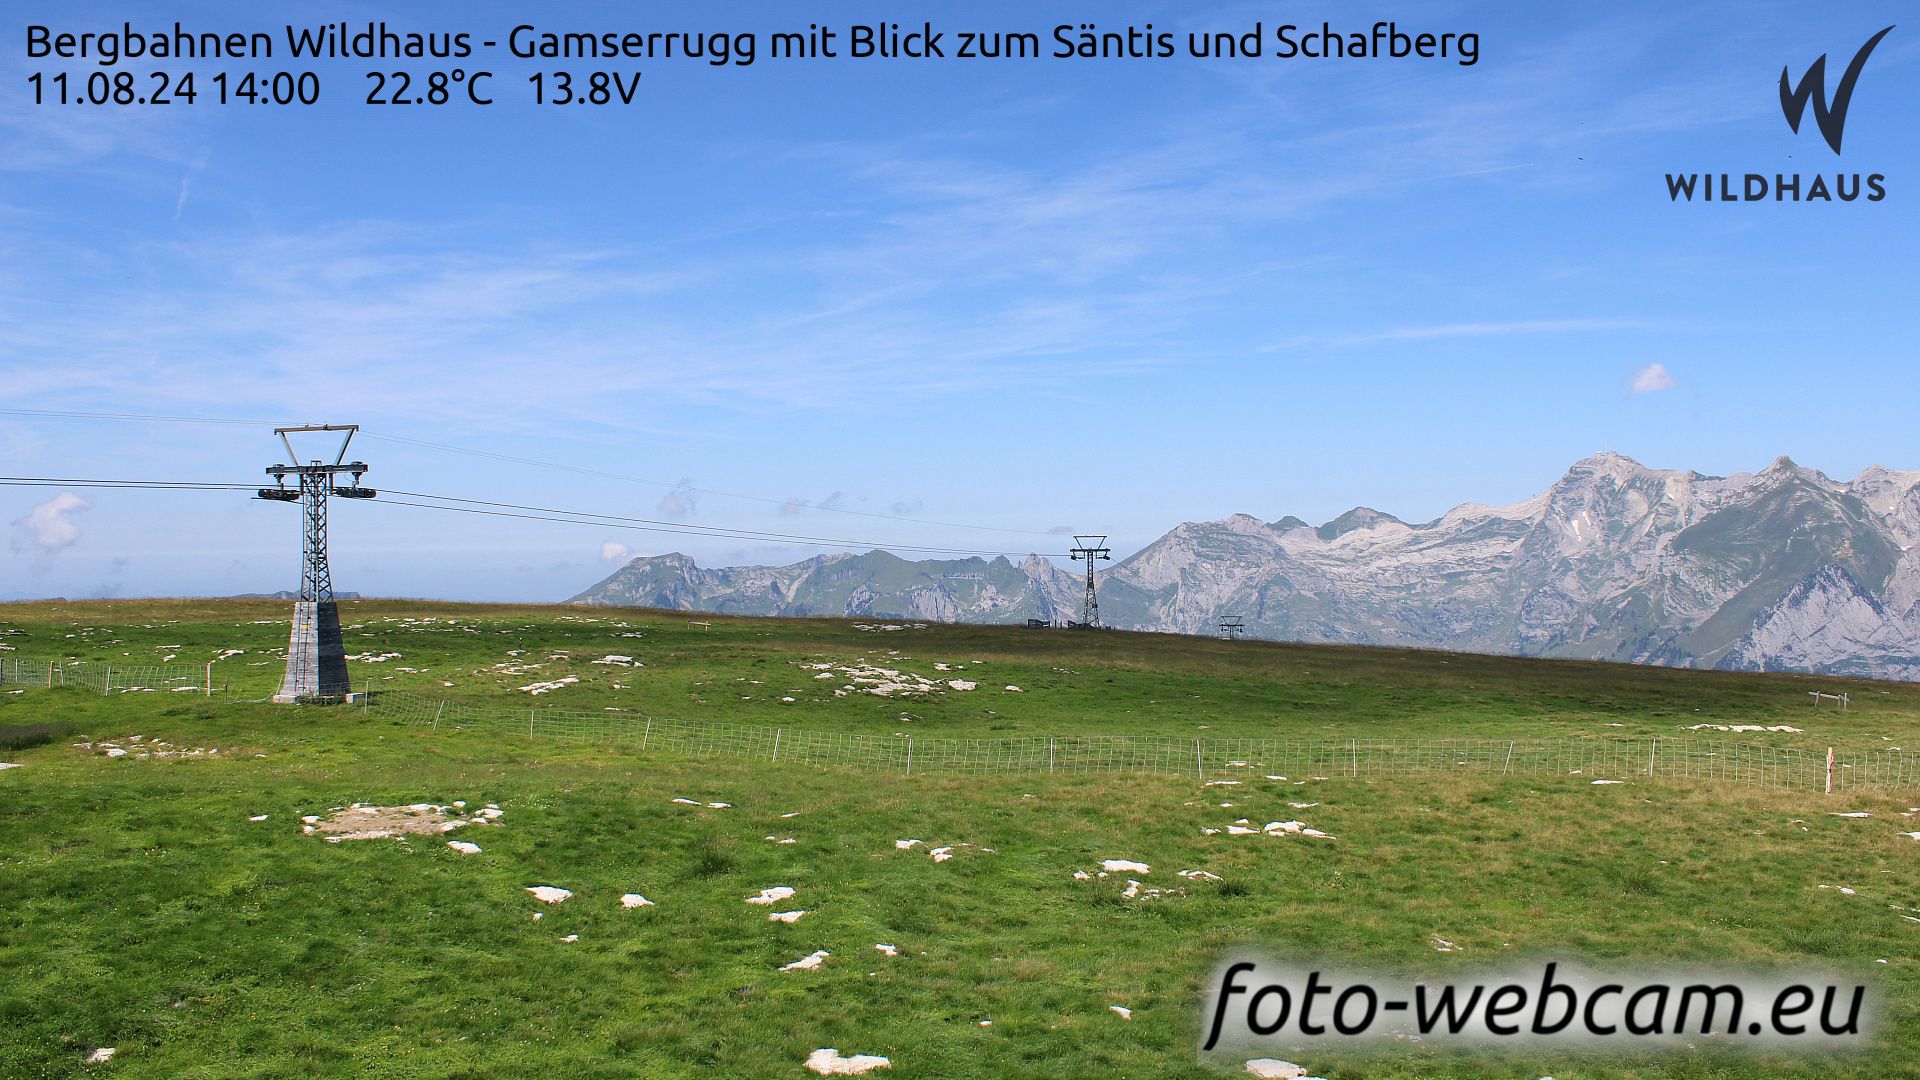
(1208, 760)
(101, 678)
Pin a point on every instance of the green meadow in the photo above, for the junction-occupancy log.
(142, 910)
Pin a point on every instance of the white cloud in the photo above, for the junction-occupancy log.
(615, 552)
(49, 528)
(1653, 377)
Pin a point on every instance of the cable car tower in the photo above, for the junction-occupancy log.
(1089, 548)
(316, 654)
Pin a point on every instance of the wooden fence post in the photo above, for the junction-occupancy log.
(1199, 764)
(1829, 770)
(776, 746)
(1651, 755)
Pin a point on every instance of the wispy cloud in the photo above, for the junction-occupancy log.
(1444, 331)
(681, 501)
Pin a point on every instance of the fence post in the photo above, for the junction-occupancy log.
(108, 686)
(531, 713)
(1049, 755)
(1353, 748)
(209, 678)
(1652, 753)
(1199, 764)
(1508, 767)
(1829, 770)
(909, 755)
(437, 713)
(647, 734)
(776, 746)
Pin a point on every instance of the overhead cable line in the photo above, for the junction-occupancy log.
(536, 462)
(528, 513)
(617, 523)
(678, 526)
(135, 485)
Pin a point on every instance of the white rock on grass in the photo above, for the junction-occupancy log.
(571, 937)
(101, 1056)
(463, 847)
(5, 765)
(886, 950)
(634, 900)
(904, 844)
(549, 894)
(258, 817)
(1199, 875)
(941, 854)
(827, 1061)
(1854, 814)
(809, 962)
(1596, 783)
(1123, 1012)
(770, 895)
(1116, 866)
(1275, 1069)
(785, 916)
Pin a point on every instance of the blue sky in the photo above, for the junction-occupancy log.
(1109, 295)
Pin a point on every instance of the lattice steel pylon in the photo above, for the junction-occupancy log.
(1090, 548)
(316, 654)
(1232, 626)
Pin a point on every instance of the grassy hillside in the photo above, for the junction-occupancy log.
(741, 669)
(146, 912)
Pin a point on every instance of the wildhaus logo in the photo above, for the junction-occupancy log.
(1829, 115)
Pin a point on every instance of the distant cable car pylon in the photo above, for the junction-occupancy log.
(316, 653)
(1090, 548)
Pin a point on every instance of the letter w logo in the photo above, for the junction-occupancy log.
(1831, 118)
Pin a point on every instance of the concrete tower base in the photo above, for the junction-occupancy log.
(316, 655)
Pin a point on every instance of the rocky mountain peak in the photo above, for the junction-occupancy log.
(1360, 517)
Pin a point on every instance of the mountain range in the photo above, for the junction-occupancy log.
(1782, 569)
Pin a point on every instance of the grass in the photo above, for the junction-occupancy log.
(22, 736)
(144, 911)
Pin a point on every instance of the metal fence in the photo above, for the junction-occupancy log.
(104, 678)
(1207, 760)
